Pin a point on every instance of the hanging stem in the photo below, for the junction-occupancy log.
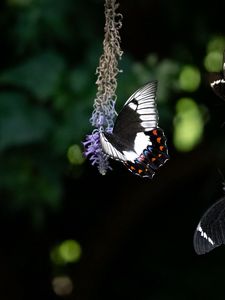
(104, 103)
(104, 111)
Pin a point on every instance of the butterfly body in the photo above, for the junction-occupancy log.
(136, 139)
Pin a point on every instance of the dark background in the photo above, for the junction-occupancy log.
(136, 235)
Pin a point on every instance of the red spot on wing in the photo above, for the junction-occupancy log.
(158, 139)
(155, 132)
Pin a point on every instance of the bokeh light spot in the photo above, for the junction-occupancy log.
(75, 155)
(213, 61)
(189, 79)
(70, 251)
(62, 285)
(188, 125)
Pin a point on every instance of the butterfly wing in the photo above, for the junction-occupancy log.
(138, 115)
(210, 232)
(217, 83)
(152, 157)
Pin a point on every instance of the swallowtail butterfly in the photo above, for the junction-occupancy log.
(136, 139)
(217, 81)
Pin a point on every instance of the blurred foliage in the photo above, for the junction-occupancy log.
(47, 86)
(49, 54)
(45, 101)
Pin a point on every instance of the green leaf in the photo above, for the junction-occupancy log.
(30, 180)
(39, 75)
(21, 123)
(74, 127)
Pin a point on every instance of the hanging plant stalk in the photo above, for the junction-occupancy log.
(104, 104)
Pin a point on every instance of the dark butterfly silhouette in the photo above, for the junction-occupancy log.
(136, 139)
(217, 81)
(210, 232)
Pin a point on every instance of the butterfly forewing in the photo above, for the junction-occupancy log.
(139, 114)
(210, 232)
(143, 103)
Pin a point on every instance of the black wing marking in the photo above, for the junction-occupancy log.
(210, 232)
(139, 114)
(108, 147)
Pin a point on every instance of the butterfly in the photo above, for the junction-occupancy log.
(136, 140)
(217, 81)
(210, 232)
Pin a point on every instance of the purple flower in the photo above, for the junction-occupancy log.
(102, 117)
(93, 150)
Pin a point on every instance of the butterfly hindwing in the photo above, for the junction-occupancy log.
(210, 232)
(152, 157)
